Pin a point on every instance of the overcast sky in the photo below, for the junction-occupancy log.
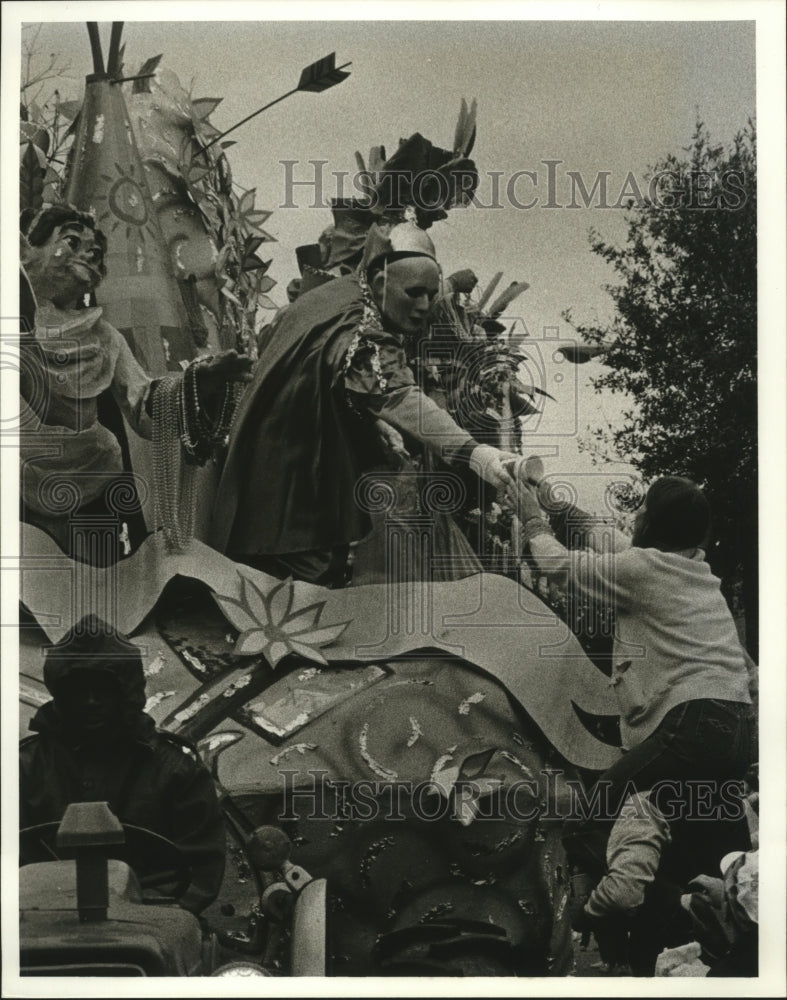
(596, 96)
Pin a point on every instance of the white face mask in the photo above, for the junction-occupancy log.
(405, 291)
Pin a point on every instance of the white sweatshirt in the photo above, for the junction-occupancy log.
(675, 638)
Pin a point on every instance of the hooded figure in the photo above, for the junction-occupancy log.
(95, 742)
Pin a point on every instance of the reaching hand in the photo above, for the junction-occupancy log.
(214, 373)
(392, 442)
(490, 465)
(229, 366)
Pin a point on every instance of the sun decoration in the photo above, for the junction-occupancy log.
(270, 627)
(126, 202)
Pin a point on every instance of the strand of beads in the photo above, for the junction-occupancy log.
(371, 318)
(199, 434)
(174, 493)
(184, 437)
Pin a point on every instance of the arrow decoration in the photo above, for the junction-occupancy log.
(322, 75)
(315, 78)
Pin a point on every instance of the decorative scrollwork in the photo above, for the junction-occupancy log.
(127, 494)
(443, 493)
(58, 494)
(557, 494)
(376, 493)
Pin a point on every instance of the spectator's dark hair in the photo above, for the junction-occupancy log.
(677, 516)
(38, 226)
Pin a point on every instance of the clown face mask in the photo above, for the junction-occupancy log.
(68, 265)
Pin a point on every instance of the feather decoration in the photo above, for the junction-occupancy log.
(530, 389)
(376, 159)
(464, 135)
(365, 177)
(321, 75)
(487, 294)
(513, 291)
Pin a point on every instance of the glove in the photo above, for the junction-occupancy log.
(391, 442)
(488, 464)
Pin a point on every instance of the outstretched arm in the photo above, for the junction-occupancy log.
(378, 381)
(594, 573)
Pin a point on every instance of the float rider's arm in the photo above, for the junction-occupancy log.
(378, 381)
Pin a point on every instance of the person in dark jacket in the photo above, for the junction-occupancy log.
(95, 742)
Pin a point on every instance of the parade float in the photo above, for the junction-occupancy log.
(394, 759)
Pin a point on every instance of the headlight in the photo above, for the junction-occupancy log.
(241, 969)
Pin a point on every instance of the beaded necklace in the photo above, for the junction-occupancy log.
(183, 438)
(371, 318)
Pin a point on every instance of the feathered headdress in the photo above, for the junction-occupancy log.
(419, 182)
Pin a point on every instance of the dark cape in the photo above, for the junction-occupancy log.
(297, 448)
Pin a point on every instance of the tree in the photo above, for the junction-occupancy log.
(683, 342)
(47, 123)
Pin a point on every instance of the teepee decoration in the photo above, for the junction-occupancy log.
(105, 177)
(212, 233)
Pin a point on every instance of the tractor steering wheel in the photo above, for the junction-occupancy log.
(154, 859)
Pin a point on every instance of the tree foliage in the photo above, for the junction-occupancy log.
(683, 342)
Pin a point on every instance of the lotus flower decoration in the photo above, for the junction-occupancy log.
(272, 626)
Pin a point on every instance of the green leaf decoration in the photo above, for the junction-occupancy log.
(246, 202)
(27, 131)
(31, 179)
(149, 66)
(41, 140)
(258, 217)
(205, 106)
(487, 293)
(69, 109)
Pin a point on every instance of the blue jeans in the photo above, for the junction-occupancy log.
(702, 744)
